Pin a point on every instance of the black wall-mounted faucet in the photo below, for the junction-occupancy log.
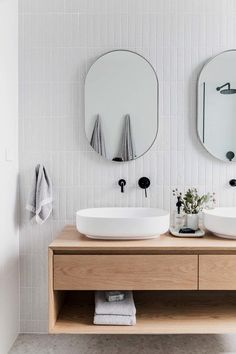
(122, 183)
(144, 183)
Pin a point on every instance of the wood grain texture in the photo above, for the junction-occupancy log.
(217, 272)
(51, 304)
(70, 240)
(165, 263)
(133, 272)
(55, 298)
(157, 313)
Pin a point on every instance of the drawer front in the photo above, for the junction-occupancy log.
(217, 272)
(127, 272)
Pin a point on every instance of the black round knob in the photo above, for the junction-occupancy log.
(122, 182)
(232, 182)
(230, 155)
(144, 182)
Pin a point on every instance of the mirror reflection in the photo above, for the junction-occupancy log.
(217, 106)
(121, 105)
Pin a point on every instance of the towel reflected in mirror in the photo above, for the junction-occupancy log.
(127, 149)
(97, 140)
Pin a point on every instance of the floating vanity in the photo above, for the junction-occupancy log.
(179, 285)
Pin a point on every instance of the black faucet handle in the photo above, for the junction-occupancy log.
(144, 183)
(122, 183)
(232, 182)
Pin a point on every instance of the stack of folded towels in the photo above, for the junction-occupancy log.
(114, 308)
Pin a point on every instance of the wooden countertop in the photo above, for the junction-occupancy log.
(71, 240)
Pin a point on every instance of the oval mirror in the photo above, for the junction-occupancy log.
(217, 106)
(121, 105)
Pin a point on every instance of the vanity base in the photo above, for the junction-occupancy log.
(158, 312)
(179, 285)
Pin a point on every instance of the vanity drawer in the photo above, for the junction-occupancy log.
(217, 272)
(128, 272)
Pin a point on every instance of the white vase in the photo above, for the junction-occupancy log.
(192, 221)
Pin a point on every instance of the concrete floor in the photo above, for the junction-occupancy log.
(122, 344)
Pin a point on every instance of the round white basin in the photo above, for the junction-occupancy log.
(122, 223)
(221, 221)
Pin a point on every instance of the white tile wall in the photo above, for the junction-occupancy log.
(9, 230)
(59, 39)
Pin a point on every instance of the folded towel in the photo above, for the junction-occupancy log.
(40, 198)
(115, 320)
(123, 308)
(97, 140)
(127, 151)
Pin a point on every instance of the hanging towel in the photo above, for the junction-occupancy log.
(97, 140)
(122, 308)
(127, 151)
(40, 198)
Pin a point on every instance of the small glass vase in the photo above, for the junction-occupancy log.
(192, 221)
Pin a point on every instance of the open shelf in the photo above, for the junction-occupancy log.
(158, 312)
(198, 276)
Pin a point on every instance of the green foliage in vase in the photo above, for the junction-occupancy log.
(192, 202)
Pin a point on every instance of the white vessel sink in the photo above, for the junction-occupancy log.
(221, 221)
(122, 223)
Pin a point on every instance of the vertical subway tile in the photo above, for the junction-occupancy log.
(58, 42)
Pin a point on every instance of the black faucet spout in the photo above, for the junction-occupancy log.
(122, 183)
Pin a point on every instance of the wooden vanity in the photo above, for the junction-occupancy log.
(181, 285)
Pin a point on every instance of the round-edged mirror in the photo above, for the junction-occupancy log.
(216, 121)
(121, 105)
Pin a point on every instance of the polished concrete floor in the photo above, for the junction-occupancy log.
(122, 344)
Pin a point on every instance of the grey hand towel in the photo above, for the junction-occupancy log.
(127, 150)
(97, 140)
(40, 198)
(123, 308)
(114, 320)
